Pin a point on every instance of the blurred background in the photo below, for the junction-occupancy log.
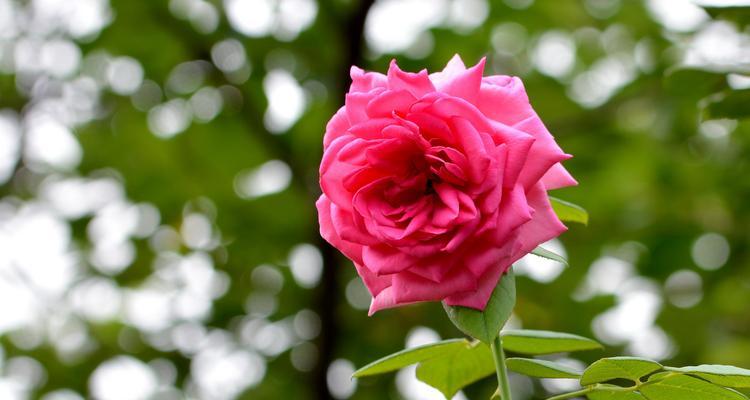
(158, 171)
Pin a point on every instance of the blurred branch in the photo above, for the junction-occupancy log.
(327, 294)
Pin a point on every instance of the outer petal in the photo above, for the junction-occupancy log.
(336, 127)
(466, 83)
(558, 177)
(385, 260)
(365, 81)
(544, 153)
(375, 284)
(327, 230)
(410, 288)
(454, 67)
(418, 84)
(333, 172)
(504, 99)
(478, 298)
(544, 225)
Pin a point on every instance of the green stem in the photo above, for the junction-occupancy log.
(571, 395)
(502, 371)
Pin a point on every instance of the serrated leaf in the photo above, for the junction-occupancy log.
(614, 395)
(485, 325)
(535, 342)
(606, 369)
(550, 255)
(567, 211)
(541, 368)
(451, 373)
(411, 356)
(683, 387)
(724, 375)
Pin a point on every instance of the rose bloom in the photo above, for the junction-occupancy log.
(434, 184)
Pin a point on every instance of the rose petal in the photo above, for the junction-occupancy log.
(417, 84)
(384, 104)
(466, 83)
(327, 230)
(544, 153)
(385, 260)
(504, 99)
(365, 81)
(336, 127)
(409, 287)
(543, 226)
(454, 67)
(558, 177)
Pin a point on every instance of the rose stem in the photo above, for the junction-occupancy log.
(502, 372)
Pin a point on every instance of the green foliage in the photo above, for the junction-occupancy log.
(568, 211)
(605, 394)
(631, 368)
(412, 356)
(729, 104)
(541, 368)
(548, 254)
(452, 372)
(535, 342)
(451, 365)
(681, 387)
(724, 375)
(485, 325)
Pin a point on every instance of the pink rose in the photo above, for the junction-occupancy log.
(434, 184)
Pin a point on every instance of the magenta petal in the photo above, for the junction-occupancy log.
(478, 298)
(417, 84)
(385, 260)
(328, 231)
(333, 173)
(454, 67)
(336, 127)
(513, 213)
(558, 177)
(375, 284)
(347, 230)
(504, 99)
(365, 81)
(544, 153)
(382, 301)
(465, 84)
(544, 224)
(356, 105)
(410, 288)
(473, 147)
(384, 104)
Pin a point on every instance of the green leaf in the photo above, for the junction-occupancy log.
(450, 373)
(606, 369)
(541, 368)
(614, 395)
(545, 342)
(485, 325)
(683, 387)
(729, 104)
(411, 356)
(550, 255)
(724, 375)
(693, 83)
(567, 211)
